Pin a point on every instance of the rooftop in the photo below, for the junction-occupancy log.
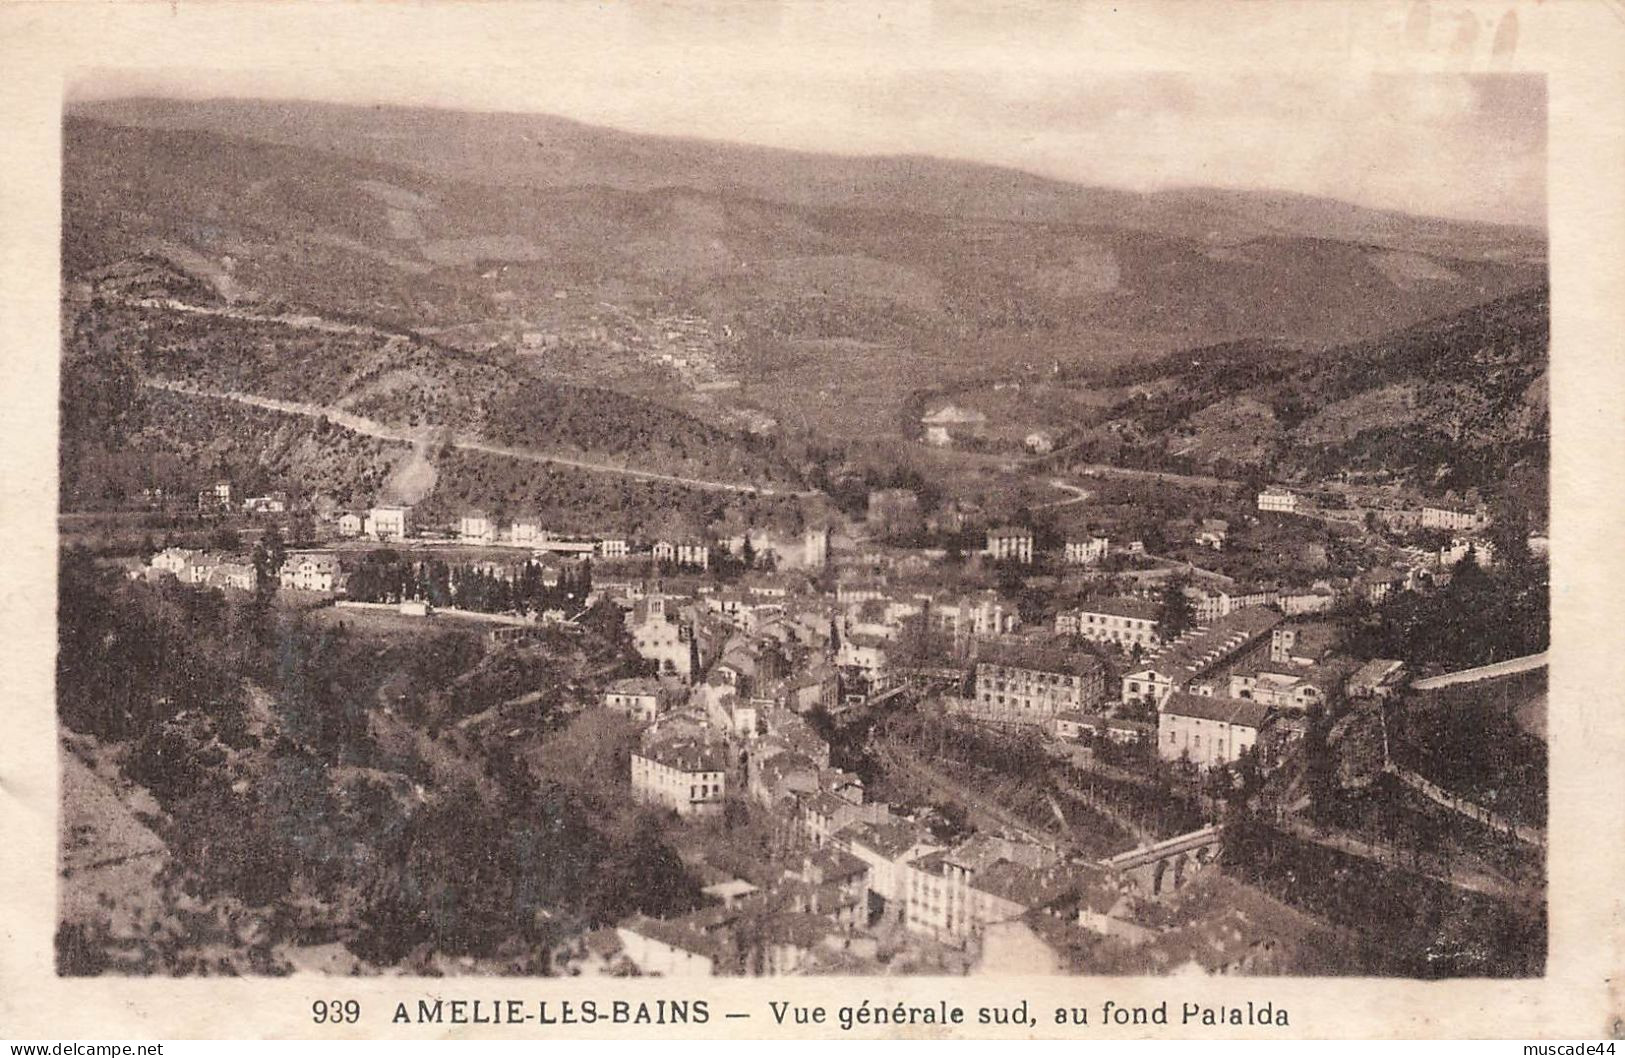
(634, 685)
(890, 839)
(1041, 657)
(1027, 887)
(1241, 712)
(1121, 606)
(1198, 650)
(686, 754)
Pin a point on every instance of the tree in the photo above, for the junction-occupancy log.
(1320, 768)
(1176, 614)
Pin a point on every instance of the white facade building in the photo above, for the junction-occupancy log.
(685, 775)
(389, 523)
(1278, 500)
(1209, 731)
(1087, 551)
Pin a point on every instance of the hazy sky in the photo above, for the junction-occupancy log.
(1437, 143)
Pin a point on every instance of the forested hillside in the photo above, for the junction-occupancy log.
(1455, 402)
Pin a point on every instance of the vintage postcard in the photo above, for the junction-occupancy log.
(904, 520)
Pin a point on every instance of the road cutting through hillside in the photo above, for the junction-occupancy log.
(383, 431)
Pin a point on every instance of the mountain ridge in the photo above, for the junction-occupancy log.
(622, 160)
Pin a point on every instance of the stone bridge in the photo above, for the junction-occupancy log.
(1170, 863)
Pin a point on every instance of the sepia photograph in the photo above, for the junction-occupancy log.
(911, 524)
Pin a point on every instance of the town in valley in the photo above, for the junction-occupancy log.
(466, 573)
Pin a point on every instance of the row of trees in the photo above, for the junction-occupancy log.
(386, 576)
(1480, 616)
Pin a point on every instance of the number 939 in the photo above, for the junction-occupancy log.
(336, 1012)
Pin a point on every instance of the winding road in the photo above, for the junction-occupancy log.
(383, 431)
(1078, 495)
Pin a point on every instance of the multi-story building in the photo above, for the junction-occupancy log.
(350, 524)
(1298, 601)
(1209, 731)
(984, 614)
(638, 697)
(823, 815)
(1010, 543)
(309, 572)
(1294, 691)
(614, 547)
(526, 532)
(1030, 685)
(1455, 520)
(693, 553)
(1302, 644)
(1196, 654)
(388, 522)
(865, 653)
(174, 560)
(684, 774)
(1087, 551)
(1124, 622)
(815, 548)
(239, 575)
(660, 636)
(215, 498)
(887, 847)
(1281, 501)
(476, 527)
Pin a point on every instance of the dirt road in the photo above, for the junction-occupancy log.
(383, 431)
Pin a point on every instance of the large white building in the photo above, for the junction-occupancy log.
(985, 614)
(1279, 500)
(388, 522)
(1030, 685)
(1010, 543)
(476, 527)
(658, 635)
(1454, 520)
(683, 553)
(686, 775)
(956, 894)
(1209, 731)
(1086, 551)
(1124, 622)
(526, 532)
(307, 572)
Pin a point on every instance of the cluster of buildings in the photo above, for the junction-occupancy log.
(477, 528)
(314, 571)
(856, 871)
(858, 886)
(202, 568)
(1460, 518)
